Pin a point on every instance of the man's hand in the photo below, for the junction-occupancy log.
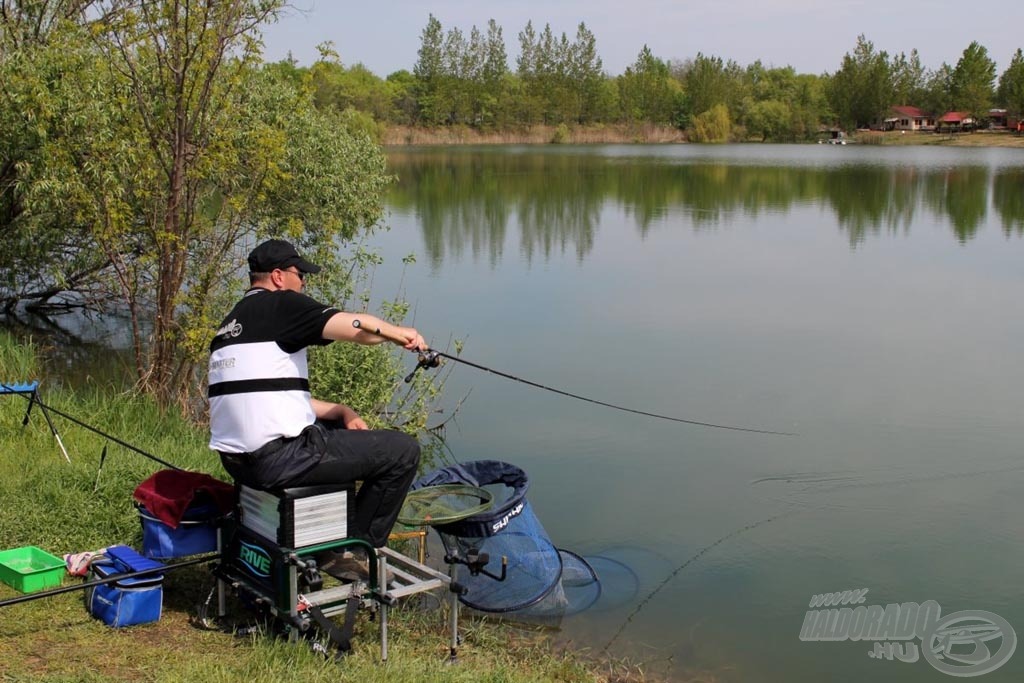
(338, 411)
(414, 340)
(355, 422)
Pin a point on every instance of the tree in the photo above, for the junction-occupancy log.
(908, 79)
(586, 73)
(531, 105)
(706, 82)
(493, 99)
(168, 151)
(461, 80)
(548, 81)
(402, 87)
(495, 60)
(174, 60)
(713, 125)
(647, 90)
(52, 96)
(1011, 85)
(563, 81)
(971, 85)
(862, 90)
(339, 88)
(938, 91)
(429, 71)
(770, 119)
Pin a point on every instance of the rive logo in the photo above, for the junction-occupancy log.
(255, 559)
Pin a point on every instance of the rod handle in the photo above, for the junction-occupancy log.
(377, 331)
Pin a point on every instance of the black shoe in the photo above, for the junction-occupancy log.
(344, 566)
(348, 566)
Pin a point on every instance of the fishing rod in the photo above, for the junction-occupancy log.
(110, 579)
(430, 358)
(96, 431)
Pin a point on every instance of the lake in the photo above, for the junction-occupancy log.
(865, 299)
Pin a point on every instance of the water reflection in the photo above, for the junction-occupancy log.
(1008, 199)
(787, 287)
(467, 198)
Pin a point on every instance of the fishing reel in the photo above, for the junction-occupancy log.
(427, 359)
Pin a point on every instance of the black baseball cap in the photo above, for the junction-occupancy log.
(278, 254)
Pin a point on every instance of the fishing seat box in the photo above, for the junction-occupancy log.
(298, 517)
(196, 532)
(128, 602)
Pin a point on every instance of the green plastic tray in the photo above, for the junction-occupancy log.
(30, 569)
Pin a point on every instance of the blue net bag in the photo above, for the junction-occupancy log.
(510, 533)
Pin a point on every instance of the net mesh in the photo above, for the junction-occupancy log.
(443, 504)
(537, 575)
(533, 565)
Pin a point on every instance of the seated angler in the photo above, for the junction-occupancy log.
(269, 430)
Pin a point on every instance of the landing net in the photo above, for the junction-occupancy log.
(443, 504)
(510, 530)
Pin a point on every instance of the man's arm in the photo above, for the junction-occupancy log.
(337, 411)
(340, 328)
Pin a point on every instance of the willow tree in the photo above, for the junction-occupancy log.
(42, 117)
(186, 151)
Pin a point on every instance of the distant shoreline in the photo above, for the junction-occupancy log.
(399, 136)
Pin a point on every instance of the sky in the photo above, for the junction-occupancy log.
(810, 35)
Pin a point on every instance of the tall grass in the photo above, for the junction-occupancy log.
(534, 135)
(70, 507)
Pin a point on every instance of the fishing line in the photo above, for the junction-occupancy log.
(429, 359)
(700, 553)
(101, 433)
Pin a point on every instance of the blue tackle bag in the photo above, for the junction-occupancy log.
(130, 601)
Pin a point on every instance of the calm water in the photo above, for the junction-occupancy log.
(867, 299)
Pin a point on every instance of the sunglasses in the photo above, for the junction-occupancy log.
(299, 273)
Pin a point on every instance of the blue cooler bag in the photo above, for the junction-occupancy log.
(130, 601)
(180, 512)
(196, 533)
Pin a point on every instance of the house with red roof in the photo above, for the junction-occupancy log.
(956, 120)
(905, 117)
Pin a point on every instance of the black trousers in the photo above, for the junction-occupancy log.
(385, 461)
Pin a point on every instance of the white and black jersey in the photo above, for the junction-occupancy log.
(259, 378)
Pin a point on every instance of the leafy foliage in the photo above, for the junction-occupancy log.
(1011, 85)
(462, 79)
(862, 89)
(145, 149)
(972, 81)
(647, 91)
(713, 125)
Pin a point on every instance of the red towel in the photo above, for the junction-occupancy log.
(168, 494)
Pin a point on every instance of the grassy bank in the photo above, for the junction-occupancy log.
(65, 507)
(651, 134)
(534, 135)
(981, 138)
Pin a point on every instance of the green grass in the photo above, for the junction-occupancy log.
(65, 507)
